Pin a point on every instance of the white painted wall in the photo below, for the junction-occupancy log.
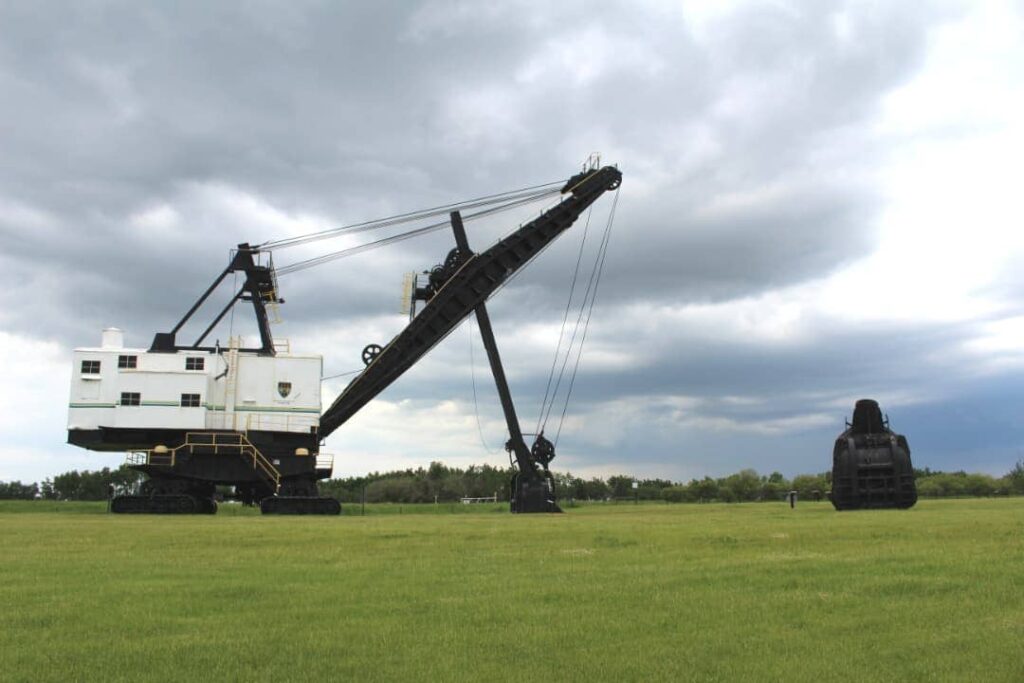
(161, 379)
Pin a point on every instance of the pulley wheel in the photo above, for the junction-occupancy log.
(543, 451)
(452, 261)
(370, 352)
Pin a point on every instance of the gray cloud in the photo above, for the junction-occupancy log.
(142, 143)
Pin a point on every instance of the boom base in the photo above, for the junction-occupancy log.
(530, 494)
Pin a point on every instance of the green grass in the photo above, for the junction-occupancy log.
(640, 593)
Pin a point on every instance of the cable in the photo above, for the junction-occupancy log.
(476, 406)
(586, 326)
(342, 374)
(231, 320)
(575, 332)
(515, 274)
(565, 319)
(351, 251)
(403, 217)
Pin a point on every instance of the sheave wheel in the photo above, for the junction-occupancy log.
(370, 352)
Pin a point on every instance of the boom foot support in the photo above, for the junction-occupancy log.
(532, 495)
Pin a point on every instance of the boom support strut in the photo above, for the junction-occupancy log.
(259, 288)
(532, 489)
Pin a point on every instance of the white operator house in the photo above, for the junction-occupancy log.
(134, 390)
(194, 417)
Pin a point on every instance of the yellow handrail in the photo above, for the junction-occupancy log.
(234, 442)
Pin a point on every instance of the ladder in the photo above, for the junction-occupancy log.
(231, 384)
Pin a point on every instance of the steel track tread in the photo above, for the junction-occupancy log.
(300, 505)
(174, 504)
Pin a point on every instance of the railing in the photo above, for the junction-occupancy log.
(325, 461)
(215, 440)
(137, 458)
(162, 458)
(263, 466)
(286, 422)
(257, 421)
(235, 442)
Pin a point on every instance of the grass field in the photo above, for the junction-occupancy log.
(650, 592)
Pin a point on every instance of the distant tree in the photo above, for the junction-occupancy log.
(437, 471)
(565, 484)
(951, 484)
(676, 494)
(1016, 477)
(15, 490)
(745, 485)
(806, 484)
(89, 485)
(928, 487)
(596, 489)
(650, 489)
(437, 482)
(980, 485)
(703, 490)
(774, 486)
(444, 483)
(68, 486)
(621, 486)
(397, 490)
(726, 494)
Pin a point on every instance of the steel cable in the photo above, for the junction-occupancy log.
(565, 319)
(398, 219)
(586, 326)
(417, 232)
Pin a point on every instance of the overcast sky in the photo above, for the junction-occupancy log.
(821, 202)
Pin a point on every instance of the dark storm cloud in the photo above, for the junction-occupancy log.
(350, 112)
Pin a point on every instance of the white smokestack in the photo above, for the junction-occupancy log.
(113, 338)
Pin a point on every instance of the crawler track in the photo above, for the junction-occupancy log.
(174, 504)
(300, 505)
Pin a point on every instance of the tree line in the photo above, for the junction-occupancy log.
(75, 485)
(441, 483)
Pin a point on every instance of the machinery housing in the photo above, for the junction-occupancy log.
(871, 465)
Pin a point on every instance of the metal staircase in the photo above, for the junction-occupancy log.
(234, 442)
(216, 443)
